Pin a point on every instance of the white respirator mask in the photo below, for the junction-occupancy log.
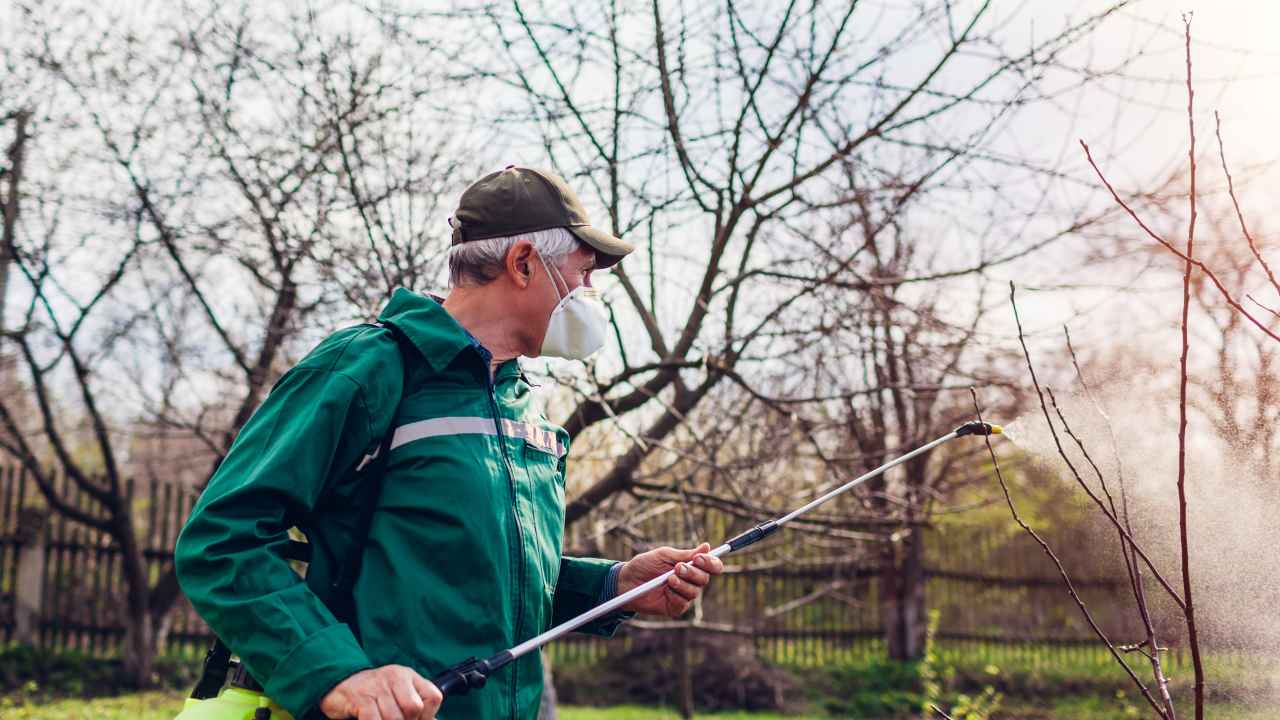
(578, 324)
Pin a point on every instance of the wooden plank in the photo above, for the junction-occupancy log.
(118, 595)
(149, 541)
(8, 550)
(70, 580)
(182, 623)
(20, 480)
(166, 539)
(50, 577)
(22, 490)
(53, 598)
(73, 579)
(170, 506)
(97, 641)
(8, 520)
(84, 576)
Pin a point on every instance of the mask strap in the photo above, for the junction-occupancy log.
(559, 298)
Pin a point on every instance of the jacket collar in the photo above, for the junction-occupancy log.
(434, 332)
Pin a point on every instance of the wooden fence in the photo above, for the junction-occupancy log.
(800, 599)
(82, 593)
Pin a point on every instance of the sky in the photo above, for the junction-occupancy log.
(1137, 127)
(1136, 124)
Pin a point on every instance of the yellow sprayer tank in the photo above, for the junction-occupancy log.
(234, 703)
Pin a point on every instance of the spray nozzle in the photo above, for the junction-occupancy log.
(979, 428)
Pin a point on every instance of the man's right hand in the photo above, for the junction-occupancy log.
(391, 692)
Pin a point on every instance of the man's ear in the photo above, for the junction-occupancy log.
(520, 263)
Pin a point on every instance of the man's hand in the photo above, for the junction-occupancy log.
(391, 692)
(694, 569)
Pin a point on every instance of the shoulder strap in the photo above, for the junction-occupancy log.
(213, 674)
(373, 468)
(217, 660)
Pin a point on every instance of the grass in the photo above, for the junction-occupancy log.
(1131, 706)
(1084, 687)
(165, 705)
(634, 712)
(137, 706)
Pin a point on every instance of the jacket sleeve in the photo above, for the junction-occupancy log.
(229, 555)
(580, 588)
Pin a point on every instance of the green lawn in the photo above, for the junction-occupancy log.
(139, 706)
(631, 712)
(1085, 686)
(1097, 708)
(164, 705)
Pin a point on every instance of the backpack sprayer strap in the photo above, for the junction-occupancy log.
(214, 674)
(217, 661)
(343, 585)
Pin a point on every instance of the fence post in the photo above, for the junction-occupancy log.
(902, 594)
(547, 709)
(685, 673)
(29, 589)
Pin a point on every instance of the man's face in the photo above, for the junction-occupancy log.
(544, 290)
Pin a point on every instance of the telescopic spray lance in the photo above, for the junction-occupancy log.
(470, 674)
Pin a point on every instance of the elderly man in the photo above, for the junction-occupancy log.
(415, 442)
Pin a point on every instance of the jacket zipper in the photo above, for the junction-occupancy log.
(515, 515)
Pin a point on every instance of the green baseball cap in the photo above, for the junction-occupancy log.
(518, 200)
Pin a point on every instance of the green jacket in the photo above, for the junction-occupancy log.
(463, 553)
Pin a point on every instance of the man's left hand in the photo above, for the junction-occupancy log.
(693, 570)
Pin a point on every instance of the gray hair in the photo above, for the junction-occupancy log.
(479, 262)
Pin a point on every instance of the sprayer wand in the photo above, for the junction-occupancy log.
(471, 673)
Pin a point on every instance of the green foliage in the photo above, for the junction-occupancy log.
(1124, 705)
(728, 675)
(875, 688)
(966, 684)
(31, 673)
(937, 677)
(1032, 683)
(1044, 501)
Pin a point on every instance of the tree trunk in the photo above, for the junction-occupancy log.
(140, 646)
(902, 598)
(684, 675)
(139, 649)
(10, 206)
(547, 710)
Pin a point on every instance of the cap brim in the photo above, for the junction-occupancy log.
(609, 249)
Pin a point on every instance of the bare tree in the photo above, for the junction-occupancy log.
(779, 171)
(45, 325)
(230, 164)
(238, 180)
(1198, 281)
(1137, 559)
